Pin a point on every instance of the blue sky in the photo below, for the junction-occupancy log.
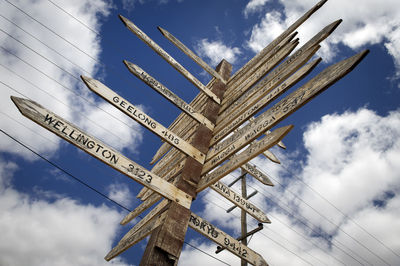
(336, 197)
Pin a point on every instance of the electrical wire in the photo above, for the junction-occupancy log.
(63, 170)
(52, 31)
(46, 45)
(99, 62)
(323, 216)
(69, 89)
(337, 209)
(39, 54)
(206, 253)
(89, 186)
(78, 20)
(71, 107)
(232, 214)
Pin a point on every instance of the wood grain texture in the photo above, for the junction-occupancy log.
(289, 104)
(99, 150)
(257, 174)
(276, 41)
(235, 162)
(240, 201)
(142, 118)
(146, 39)
(191, 54)
(132, 238)
(221, 238)
(167, 94)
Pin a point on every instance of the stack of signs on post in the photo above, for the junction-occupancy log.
(235, 133)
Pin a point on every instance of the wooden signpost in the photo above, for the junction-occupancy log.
(99, 150)
(138, 32)
(223, 239)
(169, 95)
(142, 118)
(217, 133)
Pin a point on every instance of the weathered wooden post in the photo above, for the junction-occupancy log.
(165, 244)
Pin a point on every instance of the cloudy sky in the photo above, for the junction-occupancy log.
(336, 197)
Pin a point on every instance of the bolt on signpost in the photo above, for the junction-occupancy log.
(215, 134)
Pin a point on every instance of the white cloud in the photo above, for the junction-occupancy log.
(120, 194)
(64, 232)
(365, 23)
(215, 51)
(254, 6)
(68, 101)
(264, 32)
(352, 160)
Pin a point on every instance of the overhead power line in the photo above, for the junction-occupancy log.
(69, 89)
(328, 220)
(90, 187)
(54, 32)
(45, 44)
(337, 209)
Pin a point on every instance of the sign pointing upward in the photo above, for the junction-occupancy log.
(142, 118)
(169, 95)
(192, 55)
(138, 32)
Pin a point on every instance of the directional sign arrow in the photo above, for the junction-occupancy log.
(240, 201)
(148, 217)
(258, 74)
(257, 174)
(169, 95)
(192, 55)
(138, 32)
(272, 157)
(224, 240)
(271, 46)
(134, 236)
(252, 151)
(142, 118)
(287, 106)
(263, 93)
(141, 208)
(99, 150)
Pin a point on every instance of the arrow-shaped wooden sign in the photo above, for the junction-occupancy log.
(253, 62)
(142, 118)
(148, 217)
(240, 201)
(313, 42)
(169, 95)
(131, 238)
(224, 240)
(252, 151)
(286, 106)
(272, 157)
(142, 207)
(138, 32)
(257, 174)
(254, 101)
(99, 150)
(191, 54)
(254, 77)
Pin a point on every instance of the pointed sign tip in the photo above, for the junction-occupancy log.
(163, 32)
(18, 102)
(321, 3)
(123, 19)
(108, 257)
